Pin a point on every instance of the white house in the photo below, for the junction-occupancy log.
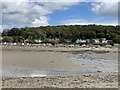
(96, 40)
(38, 41)
(80, 41)
(104, 40)
(83, 45)
(77, 41)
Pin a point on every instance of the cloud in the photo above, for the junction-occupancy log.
(1, 29)
(34, 13)
(22, 13)
(104, 8)
(85, 22)
(42, 21)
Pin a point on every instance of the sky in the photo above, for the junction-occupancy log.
(36, 13)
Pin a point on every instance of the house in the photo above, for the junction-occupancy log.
(71, 45)
(54, 40)
(38, 41)
(96, 40)
(59, 45)
(77, 41)
(48, 44)
(104, 40)
(80, 41)
(83, 45)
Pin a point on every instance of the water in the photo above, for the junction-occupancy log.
(96, 64)
(37, 73)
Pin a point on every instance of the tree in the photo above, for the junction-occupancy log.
(63, 33)
(7, 39)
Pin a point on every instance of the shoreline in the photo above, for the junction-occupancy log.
(60, 49)
(33, 59)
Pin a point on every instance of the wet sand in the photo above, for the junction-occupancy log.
(43, 60)
(22, 66)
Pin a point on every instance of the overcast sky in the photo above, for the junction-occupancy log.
(35, 13)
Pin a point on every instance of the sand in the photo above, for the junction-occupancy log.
(55, 67)
(84, 81)
(35, 59)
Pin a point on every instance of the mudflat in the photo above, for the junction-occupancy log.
(31, 58)
(59, 67)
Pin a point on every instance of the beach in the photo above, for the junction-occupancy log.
(59, 67)
(83, 81)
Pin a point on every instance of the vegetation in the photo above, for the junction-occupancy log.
(70, 33)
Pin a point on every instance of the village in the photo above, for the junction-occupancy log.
(79, 43)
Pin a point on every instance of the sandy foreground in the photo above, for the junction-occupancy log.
(83, 81)
(59, 67)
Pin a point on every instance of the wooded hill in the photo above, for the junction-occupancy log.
(71, 33)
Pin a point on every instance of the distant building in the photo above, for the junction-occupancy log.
(38, 41)
(48, 44)
(77, 41)
(80, 41)
(104, 40)
(96, 40)
(71, 45)
(83, 45)
(54, 40)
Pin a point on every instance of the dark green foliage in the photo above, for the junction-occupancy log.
(8, 39)
(71, 33)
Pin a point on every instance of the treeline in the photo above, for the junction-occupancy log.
(71, 33)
